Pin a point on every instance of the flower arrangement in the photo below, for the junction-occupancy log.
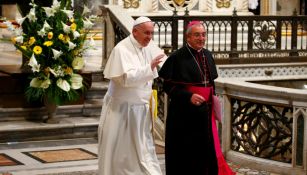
(53, 40)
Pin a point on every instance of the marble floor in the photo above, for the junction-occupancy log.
(29, 165)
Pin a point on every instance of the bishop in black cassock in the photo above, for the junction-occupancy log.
(189, 146)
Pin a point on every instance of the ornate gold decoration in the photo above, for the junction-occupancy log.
(223, 3)
(178, 5)
(179, 2)
(131, 4)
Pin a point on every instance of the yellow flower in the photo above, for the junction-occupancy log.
(24, 47)
(50, 35)
(48, 43)
(61, 37)
(68, 71)
(66, 39)
(13, 40)
(37, 50)
(73, 26)
(72, 20)
(31, 40)
(76, 52)
(46, 71)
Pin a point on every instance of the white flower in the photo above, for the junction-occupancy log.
(33, 64)
(89, 44)
(78, 63)
(20, 20)
(69, 13)
(63, 84)
(66, 28)
(19, 39)
(57, 72)
(46, 26)
(92, 17)
(56, 5)
(53, 72)
(92, 43)
(86, 10)
(45, 84)
(49, 11)
(87, 24)
(76, 81)
(31, 16)
(32, 4)
(56, 53)
(18, 31)
(35, 82)
(76, 34)
(32, 61)
(71, 45)
(36, 68)
(41, 32)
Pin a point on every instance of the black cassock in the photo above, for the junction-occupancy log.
(189, 146)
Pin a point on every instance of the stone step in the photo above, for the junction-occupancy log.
(67, 128)
(91, 106)
(75, 121)
(97, 90)
(97, 76)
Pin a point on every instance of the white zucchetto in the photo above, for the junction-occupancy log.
(141, 20)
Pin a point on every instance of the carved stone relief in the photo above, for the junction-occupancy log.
(178, 5)
(223, 3)
(131, 4)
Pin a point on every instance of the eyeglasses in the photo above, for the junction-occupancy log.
(198, 34)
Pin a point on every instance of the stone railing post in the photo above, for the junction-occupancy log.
(226, 123)
(299, 133)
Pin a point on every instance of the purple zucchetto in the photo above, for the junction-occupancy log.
(192, 23)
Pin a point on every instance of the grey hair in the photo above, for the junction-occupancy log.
(188, 31)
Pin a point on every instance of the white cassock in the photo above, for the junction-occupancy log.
(126, 145)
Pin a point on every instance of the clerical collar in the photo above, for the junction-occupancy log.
(194, 50)
(135, 42)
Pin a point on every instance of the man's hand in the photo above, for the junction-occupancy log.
(156, 61)
(197, 99)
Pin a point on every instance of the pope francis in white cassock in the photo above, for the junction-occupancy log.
(126, 145)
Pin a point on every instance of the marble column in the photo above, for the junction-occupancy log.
(265, 7)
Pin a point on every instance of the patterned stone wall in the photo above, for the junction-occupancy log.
(267, 71)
